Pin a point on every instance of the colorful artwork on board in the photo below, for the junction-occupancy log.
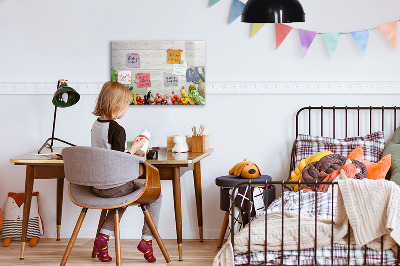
(133, 60)
(143, 80)
(179, 69)
(192, 74)
(125, 77)
(174, 56)
(161, 72)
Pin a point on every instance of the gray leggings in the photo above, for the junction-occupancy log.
(154, 208)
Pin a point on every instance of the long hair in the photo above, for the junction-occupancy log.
(112, 99)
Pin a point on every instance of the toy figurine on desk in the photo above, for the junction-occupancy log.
(180, 144)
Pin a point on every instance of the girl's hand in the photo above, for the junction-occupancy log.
(137, 144)
(142, 155)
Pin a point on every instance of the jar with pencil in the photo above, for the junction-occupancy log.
(199, 140)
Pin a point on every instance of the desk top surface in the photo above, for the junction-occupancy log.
(164, 157)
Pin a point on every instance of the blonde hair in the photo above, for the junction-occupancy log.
(112, 99)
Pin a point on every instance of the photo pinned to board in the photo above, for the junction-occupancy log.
(160, 72)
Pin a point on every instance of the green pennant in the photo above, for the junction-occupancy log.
(213, 2)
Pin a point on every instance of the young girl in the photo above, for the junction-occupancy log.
(112, 104)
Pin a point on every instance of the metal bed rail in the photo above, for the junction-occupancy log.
(265, 185)
(346, 123)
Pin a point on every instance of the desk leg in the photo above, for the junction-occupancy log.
(60, 190)
(197, 189)
(27, 206)
(176, 182)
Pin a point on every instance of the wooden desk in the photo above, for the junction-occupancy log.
(40, 167)
(169, 165)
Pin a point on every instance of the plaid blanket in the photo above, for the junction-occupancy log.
(340, 254)
(323, 205)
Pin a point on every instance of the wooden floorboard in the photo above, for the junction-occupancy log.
(50, 252)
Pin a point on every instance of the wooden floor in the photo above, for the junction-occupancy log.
(50, 252)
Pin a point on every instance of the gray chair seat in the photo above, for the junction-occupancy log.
(85, 167)
(83, 196)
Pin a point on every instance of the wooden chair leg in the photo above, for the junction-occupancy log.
(101, 222)
(117, 239)
(154, 230)
(223, 229)
(73, 237)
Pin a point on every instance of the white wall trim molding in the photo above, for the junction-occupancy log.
(232, 87)
(304, 87)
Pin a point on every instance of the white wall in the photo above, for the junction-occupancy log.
(47, 40)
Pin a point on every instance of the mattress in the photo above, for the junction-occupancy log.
(324, 206)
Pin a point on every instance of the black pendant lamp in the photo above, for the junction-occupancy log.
(273, 11)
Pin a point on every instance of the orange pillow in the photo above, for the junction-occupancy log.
(375, 170)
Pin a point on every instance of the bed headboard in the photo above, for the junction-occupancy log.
(344, 121)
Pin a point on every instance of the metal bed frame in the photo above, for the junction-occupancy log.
(283, 184)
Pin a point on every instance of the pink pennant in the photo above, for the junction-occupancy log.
(306, 39)
(281, 31)
(389, 30)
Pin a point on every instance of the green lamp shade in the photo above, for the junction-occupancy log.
(65, 96)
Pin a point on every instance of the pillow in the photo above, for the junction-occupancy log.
(329, 164)
(372, 144)
(393, 148)
(296, 174)
(375, 170)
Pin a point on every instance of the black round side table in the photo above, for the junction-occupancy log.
(228, 182)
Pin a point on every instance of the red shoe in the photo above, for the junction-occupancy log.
(146, 247)
(101, 245)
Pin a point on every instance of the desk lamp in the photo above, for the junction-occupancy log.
(64, 96)
(272, 11)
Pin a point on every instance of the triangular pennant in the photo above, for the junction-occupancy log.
(361, 37)
(306, 39)
(237, 9)
(332, 41)
(213, 2)
(281, 31)
(389, 30)
(256, 27)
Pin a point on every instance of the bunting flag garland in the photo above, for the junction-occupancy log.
(332, 41)
(213, 2)
(361, 37)
(306, 39)
(237, 9)
(389, 30)
(281, 31)
(256, 27)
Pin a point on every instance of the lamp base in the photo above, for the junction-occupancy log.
(50, 146)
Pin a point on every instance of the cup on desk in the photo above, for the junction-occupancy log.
(152, 155)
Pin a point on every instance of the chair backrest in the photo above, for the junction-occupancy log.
(92, 166)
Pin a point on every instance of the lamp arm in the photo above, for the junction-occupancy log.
(54, 119)
(54, 126)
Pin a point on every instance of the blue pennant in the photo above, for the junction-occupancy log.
(361, 38)
(237, 9)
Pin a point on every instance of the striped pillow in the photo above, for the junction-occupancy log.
(13, 228)
(372, 145)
